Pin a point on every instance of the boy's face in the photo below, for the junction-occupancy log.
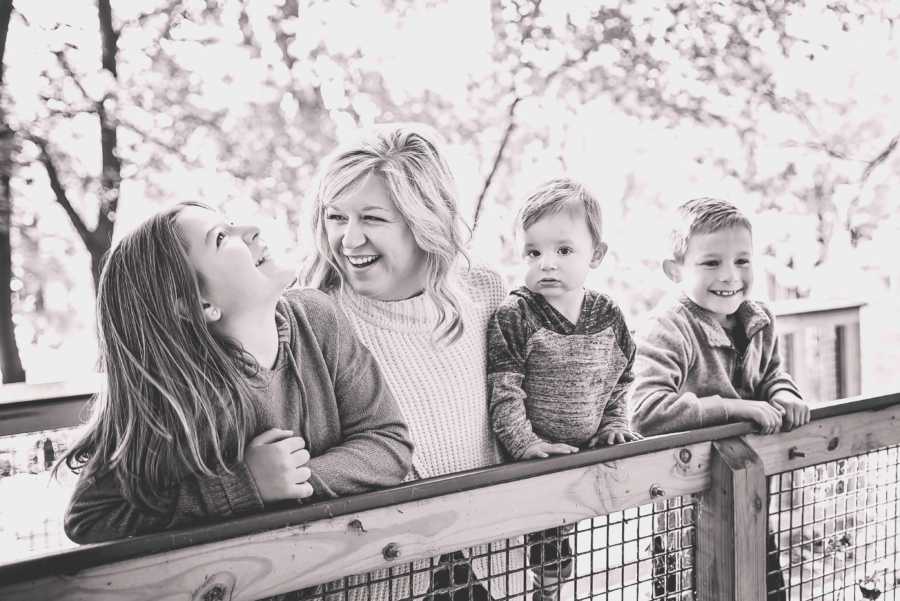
(717, 270)
(559, 252)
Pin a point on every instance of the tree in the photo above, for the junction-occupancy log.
(10, 363)
(96, 240)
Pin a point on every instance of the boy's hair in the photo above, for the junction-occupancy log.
(704, 215)
(562, 194)
(407, 158)
(177, 399)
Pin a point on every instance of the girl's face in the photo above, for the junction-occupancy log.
(373, 245)
(232, 263)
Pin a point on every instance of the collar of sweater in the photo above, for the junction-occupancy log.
(418, 314)
(750, 315)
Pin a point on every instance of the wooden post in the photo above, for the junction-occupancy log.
(731, 526)
(848, 359)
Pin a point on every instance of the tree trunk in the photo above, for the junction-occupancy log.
(10, 363)
(111, 175)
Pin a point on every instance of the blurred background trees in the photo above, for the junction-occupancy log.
(111, 109)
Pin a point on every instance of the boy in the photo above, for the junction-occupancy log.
(711, 355)
(559, 356)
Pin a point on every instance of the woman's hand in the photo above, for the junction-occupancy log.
(277, 459)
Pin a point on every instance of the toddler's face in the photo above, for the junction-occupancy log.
(559, 252)
(717, 270)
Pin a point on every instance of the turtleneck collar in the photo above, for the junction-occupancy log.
(417, 314)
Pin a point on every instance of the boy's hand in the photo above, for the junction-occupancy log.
(611, 437)
(766, 415)
(542, 448)
(277, 459)
(795, 409)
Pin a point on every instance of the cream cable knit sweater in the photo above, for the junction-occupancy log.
(442, 392)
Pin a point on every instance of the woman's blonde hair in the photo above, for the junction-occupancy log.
(407, 158)
(177, 400)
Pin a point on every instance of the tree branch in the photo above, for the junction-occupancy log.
(59, 191)
(498, 158)
(882, 157)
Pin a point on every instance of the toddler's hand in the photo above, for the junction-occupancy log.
(542, 449)
(612, 437)
(277, 459)
(796, 411)
(767, 416)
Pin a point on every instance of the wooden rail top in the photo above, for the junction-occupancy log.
(863, 424)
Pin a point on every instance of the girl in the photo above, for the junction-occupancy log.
(390, 250)
(223, 395)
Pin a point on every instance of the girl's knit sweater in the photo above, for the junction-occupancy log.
(441, 388)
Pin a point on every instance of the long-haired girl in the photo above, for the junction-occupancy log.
(224, 394)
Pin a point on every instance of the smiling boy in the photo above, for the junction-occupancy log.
(710, 355)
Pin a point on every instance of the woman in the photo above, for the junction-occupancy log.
(389, 244)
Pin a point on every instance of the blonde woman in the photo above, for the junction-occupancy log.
(390, 250)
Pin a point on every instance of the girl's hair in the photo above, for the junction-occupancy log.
(407, 159)
(177, 399)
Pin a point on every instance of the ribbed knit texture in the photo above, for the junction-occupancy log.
(442, 391)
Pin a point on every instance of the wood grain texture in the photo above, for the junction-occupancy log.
(828, 439)
(731, 526)
(291, 558)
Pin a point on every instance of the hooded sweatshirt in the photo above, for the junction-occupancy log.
(554, 380)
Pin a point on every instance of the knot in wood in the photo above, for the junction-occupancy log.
(757, 503)
(391, 551)
(217, 592)
(833, 443)
(656, 491)
(684, 455)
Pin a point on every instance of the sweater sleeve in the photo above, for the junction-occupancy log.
(508, 333)
(661, 405)
(615, 415)
(775, 377)
(376, 450)
(98, 511)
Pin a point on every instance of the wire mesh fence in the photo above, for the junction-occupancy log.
(33, 503)
(836, 526)
(639, 554)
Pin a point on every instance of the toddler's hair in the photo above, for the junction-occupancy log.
(407, 157)
(704, 215)
(562, 194)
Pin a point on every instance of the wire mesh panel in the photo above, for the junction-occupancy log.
(836, 526)
(640, 554)
(33, 504)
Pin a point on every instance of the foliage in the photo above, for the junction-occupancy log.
(784, 106)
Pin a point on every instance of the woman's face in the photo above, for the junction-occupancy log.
(373, 245)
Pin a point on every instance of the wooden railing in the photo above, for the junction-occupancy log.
(282, 551)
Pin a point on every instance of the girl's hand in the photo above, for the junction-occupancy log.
(767, 416)
(277, 459)
(542, 448)
(612, 437)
